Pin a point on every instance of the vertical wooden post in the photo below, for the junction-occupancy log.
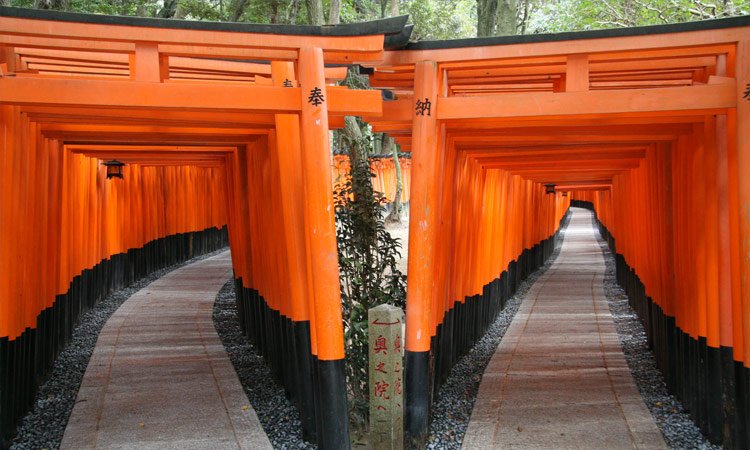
(741, 308)
(422, 236)
(743, 162)
(288, 152)
(316, 163)
(147, 65)
(577, 73)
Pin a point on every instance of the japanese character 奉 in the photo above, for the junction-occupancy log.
(316, 97)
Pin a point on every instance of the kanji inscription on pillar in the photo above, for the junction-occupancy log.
(316, 97)
(386, 377)
(423, 107)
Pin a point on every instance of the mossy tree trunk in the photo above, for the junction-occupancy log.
(396, 206)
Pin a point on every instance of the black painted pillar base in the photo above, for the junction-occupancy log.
(417, 399)
(305, 380)
(334, 431)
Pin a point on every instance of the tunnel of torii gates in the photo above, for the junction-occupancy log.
(224, 124)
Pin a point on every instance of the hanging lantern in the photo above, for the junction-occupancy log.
(114, 168)
(549, 188)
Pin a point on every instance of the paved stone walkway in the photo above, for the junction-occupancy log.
(159, 376)
(558, 378)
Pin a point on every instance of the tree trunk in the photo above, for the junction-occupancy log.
(292, 12)
(315, 12)
(507, 12)
(396, 207)
(486, 17)
(496, 17)
(394, 8)
(334, 13)
(236, 10)
(524, 11)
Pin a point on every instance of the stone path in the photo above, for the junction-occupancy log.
(558, 378)
(159, 376)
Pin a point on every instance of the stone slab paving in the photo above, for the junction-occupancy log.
(159, 377)
(559, 379)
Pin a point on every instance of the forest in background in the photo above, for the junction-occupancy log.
(433, 19)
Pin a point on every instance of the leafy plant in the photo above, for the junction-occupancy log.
(367, 265)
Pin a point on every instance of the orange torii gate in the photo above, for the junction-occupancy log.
(218, 124)
(228, 124)
(384, 175)
(649, 126)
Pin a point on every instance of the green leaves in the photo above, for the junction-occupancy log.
(367, 265)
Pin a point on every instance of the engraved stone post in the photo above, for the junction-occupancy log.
(386, 381)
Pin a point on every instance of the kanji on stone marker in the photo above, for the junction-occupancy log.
(381, 345)
(381, 387)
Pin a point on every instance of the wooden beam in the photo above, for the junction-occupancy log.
(693, 98)
(108, 32)
(627, 44)
(181, 96)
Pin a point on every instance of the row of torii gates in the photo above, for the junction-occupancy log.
(228, 124)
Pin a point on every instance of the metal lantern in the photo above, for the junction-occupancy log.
(114, 168)
(550, 188)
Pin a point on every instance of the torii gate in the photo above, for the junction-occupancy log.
(650, 125)
(78, 88)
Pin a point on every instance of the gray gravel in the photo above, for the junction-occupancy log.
(675, 424)
(43, 427)
(278, 416)
(455, 400)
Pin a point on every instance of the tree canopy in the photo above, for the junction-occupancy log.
(433, 19)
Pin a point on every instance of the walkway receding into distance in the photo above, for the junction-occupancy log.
(559, 379)
(159, 376)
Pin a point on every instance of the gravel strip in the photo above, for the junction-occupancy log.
(278, 416)
(44, 426)
(676, 426)
(455, 400)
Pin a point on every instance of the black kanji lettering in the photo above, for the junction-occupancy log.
(423, 107)
(316, 97)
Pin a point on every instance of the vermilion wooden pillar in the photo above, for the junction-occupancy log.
(316, 164)
(740, 171)
(288, 152)
(422, 237)
(743, 162)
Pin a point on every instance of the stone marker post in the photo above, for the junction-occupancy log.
(386, 377)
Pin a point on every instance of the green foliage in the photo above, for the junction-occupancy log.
(576, 15)
(369, 275)
(442, 19)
